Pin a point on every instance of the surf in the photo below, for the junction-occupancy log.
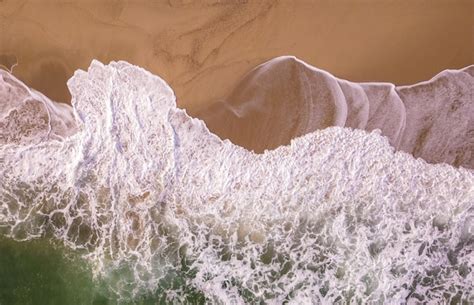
(150, 197)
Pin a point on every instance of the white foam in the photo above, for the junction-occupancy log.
(27, 116)
(335, 216)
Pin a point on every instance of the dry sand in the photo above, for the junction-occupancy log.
(202, 48)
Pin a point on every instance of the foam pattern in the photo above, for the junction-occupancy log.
(27, 116)
(158, 203)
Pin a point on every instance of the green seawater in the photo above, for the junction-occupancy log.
(40, 272)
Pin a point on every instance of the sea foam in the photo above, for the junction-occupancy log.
(27, 116)
(336, 216)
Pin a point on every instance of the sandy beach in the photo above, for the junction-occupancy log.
(325, 154)
(202, 48)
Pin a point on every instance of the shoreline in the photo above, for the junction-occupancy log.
(203, 49)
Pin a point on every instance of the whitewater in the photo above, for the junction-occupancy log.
(134, 183)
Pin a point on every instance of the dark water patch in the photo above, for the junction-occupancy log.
(38, 272)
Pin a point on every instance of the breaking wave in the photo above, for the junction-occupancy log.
(156, 202)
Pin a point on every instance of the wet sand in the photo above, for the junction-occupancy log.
(286, 98)
(203, 48)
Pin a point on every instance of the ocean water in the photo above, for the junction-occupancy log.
(41, 272)
(38, 272)
(129, 200)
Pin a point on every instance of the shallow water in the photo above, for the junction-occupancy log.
(40, 272)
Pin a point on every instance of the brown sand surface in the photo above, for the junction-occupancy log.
(202, 48)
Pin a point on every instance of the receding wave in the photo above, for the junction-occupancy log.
(142, 188)
(27, 116)
(285, 98)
